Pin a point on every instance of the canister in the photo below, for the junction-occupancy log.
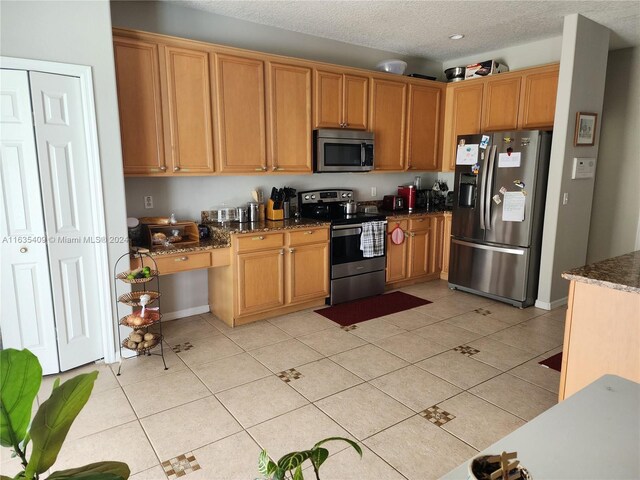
(254, 215)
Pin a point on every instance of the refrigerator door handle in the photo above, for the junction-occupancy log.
(512, 251)
(489, 187)
(483, 187)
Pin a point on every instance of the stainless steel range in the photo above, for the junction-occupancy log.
(353, 275)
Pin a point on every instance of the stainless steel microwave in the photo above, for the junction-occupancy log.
(337, 150)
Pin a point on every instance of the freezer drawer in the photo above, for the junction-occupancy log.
(499, 272)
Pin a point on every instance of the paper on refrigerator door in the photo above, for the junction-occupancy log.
(513, 208)
(467, 154)
(509, 160)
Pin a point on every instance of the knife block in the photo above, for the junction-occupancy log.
(272, 213)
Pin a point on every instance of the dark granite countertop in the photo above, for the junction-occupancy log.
(402, 214)
(235, 228)
(620, 273)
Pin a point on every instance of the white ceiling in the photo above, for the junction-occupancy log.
(421, 28)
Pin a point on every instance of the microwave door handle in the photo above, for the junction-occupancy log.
(363, 153)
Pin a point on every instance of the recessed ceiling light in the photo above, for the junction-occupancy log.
(456, 36)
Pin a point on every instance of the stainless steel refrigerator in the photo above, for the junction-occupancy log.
(498, 213)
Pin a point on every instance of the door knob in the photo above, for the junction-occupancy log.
(23, 249)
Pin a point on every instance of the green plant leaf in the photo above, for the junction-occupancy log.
(355, 446)
(98, 470)
(266, 466)
(293, 460)
(297, 475)
(20, 378)
(53, 421)
(318, 456)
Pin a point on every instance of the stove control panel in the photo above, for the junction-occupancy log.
(325, 196)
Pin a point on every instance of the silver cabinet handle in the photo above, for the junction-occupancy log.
(257, 238)
(163, 168)
(176, 169)
(23, 249)
(291, 250)
(281, 252)
(264, 169)
(309, 232)
(181, 259)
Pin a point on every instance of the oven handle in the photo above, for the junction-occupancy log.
(352, 225)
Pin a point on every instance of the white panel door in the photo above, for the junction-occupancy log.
(26, 311)
(67, 200)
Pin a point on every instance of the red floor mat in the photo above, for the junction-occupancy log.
(373, 307)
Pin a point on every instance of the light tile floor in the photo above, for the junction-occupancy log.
(421, 390)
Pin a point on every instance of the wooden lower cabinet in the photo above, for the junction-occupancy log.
(420, 256)
(396, 254)
(271, 274)
(259, 281)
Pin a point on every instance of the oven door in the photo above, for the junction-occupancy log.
(343, 155)
(346, 256)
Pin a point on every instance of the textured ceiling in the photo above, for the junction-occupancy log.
(421, 28)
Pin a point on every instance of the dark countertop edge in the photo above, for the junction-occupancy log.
(403, 215)
(618, 273)
(279, 228)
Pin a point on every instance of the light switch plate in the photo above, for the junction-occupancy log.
(583, 168)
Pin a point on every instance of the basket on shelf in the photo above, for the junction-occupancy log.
(123, 276)
(133, 298)
(157, 339)
(149, 319)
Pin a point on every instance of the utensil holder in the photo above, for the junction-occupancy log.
(272, 213)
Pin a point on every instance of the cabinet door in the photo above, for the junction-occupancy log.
(356, 95)
(463, 114)
(260, 281)
(138, 80)
(538, 99)
(240, 114)
(501, 101)
(419, 253)
(328, 100)
(290, 118)
(387, 117)
(307, 272)
(437, 242)
(423, 127)
(396, 254)
(188, 106)
(446, 245)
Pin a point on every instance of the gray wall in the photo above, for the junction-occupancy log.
(182, 21)
(615, 221)
(516, 57)
(79, 33)
(580, 89)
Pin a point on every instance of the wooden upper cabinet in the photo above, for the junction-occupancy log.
(356, 93)
(423, 127)
(240, 113)
(500, 107)
(463, 115)
(139, 103)
(387, 121)
(340, 100)
(538, 98)
(189, 137)
(328, 99)
(289, 98)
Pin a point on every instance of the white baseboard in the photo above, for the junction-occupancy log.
(551, 305)
(187, 312)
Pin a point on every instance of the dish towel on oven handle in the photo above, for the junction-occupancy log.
(372, 239)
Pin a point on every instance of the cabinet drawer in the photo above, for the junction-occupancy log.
(419, 224)
(178, 263)
(304, 237)
(259, 241)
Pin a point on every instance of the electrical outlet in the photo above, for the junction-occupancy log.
(148, 201)
(373, 191)
(565, 198)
